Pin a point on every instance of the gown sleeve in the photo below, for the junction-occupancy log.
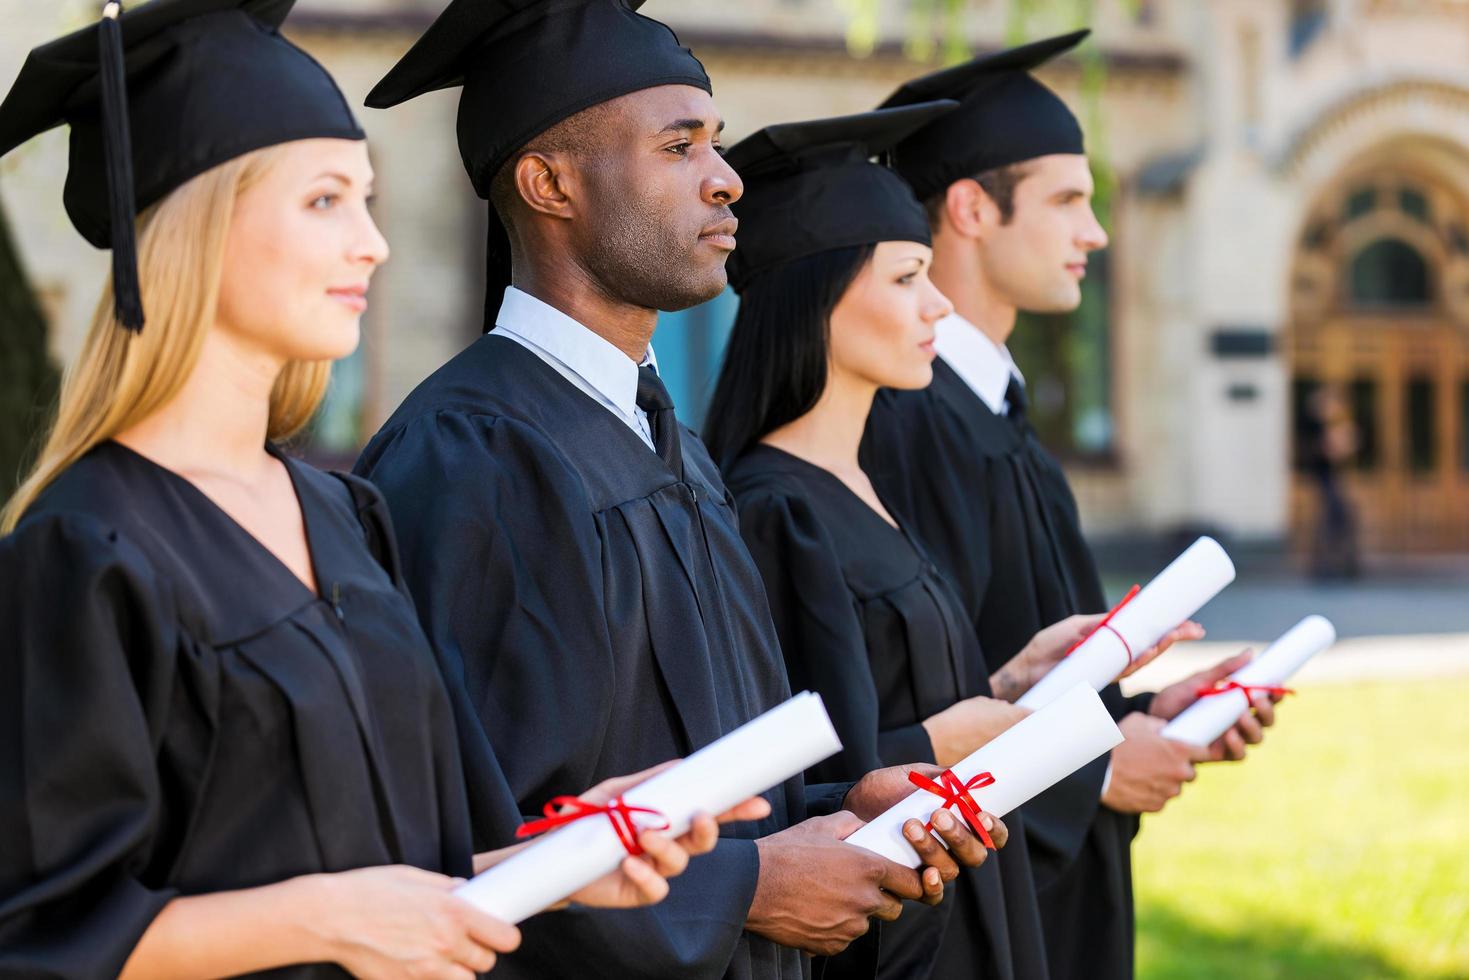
(821, 633)
(474, 762)
(88, 643)
(508, 584)
(491, 570)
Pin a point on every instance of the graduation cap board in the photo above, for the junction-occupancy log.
(1005, 116)
(156, 96)
(812, 187)
(526, 65)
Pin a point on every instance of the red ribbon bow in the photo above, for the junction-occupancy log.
(563, 810)
(955, 793)
(1106, 622)
(1224, 687)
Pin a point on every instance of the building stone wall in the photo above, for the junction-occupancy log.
(1222, 140)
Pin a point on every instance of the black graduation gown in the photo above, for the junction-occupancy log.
(868, 621)
(182, 715)
(994, 509)
(599, 615)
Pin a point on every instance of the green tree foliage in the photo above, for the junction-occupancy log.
(27, 376)
(937, 31)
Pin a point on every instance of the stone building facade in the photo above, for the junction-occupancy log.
(1291, 208)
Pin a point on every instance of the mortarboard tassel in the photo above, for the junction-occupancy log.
(497, 267)
(118, 146)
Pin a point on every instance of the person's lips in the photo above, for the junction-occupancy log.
(927, 346)
(352, 297)
(721, 235)
(1077, 269)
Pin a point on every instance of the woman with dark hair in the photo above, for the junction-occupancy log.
(836, 303)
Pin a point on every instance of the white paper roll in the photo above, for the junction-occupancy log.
(1208, 718)
(1033, 755)
(1179, 591)
(762, 753)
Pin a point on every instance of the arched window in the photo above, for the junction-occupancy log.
(1389, 272)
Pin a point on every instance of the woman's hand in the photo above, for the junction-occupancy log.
(1045, 650)
(1188, 631)
(643, 880)
(964, 726)
(1050, 646)
(400, 923)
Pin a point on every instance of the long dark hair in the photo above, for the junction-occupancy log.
(774, 367)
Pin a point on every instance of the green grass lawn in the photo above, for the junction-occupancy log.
(1339, 849)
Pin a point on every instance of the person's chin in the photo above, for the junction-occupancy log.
(332, 339)
(910, 378)
(697, 289)
(1062, 301)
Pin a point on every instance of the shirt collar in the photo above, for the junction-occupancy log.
(591, 357)
(985, 366)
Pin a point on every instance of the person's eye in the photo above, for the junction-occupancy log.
(324, 202)
(682, 149)
(909, 279)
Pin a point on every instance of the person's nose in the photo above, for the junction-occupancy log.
(722, 186)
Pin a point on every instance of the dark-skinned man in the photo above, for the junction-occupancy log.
(1008, 189)
(571, 547)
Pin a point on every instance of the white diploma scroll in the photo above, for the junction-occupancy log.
(1210, 717)
(1031, 756)
(1179, 591)
(749, 760)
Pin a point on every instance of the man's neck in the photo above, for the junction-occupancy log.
(572, 291)
(957, 275)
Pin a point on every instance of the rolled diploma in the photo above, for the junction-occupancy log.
(1179, 591)
(1207, 718)
(762, 753)
(1031, 756)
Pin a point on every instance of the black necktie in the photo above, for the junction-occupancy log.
(653, 398)
(1015, 398)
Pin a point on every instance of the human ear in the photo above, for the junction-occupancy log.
(544, 182)
(968, 209)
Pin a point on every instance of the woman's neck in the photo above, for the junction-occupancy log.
(218, 422)
(830, 434)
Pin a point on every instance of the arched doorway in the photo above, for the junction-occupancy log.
(1380, 313)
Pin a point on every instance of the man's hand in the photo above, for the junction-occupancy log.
(961, 847)
(1248, 730)
(817, 893)
(1148, 770)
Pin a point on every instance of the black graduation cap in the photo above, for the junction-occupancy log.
(1005, 116)
(526, 65)
(812, 187)
(158, 95)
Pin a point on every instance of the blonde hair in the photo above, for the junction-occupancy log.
(122, 377)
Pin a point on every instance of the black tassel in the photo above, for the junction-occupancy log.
(118, 145)
(497, 268)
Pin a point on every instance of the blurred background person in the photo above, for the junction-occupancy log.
(1330, 443)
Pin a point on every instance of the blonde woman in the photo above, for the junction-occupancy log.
(226, 745)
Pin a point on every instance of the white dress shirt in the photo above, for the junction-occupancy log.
(985, 366)
(605, 374)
